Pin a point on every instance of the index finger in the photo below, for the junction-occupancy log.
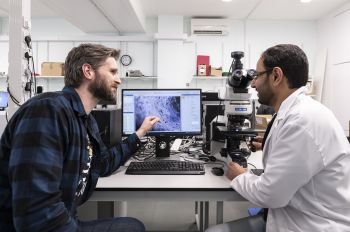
(151, 117)
(156, 119)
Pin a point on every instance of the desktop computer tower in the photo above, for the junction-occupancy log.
(217, 140)
(212, 106)
(109, 125)
(210, 112)
(210, 97)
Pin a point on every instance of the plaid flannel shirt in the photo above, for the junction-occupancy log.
(42, 151)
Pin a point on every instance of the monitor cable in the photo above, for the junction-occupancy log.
(6, 116)
(28, 74)
(14, 100)
(29, 56)
(146, 150)
(34, 76)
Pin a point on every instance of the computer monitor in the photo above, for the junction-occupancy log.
(4, 98)
(104, 103)
(179, 111)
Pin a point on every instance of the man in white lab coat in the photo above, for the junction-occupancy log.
(306, 156)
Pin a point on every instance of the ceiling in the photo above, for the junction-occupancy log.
(126, 16)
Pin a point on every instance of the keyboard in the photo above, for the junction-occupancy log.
(165, 167)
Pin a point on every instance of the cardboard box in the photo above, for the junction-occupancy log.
(262, 120)
(216, 72)
(52, 69)
(202, 70)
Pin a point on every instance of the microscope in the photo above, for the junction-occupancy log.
(238, 123)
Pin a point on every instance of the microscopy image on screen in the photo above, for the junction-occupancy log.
(167, 108)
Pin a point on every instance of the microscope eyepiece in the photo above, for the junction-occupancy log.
(239, 78)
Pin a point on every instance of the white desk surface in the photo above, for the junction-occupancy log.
(207, 187)
(207, 181)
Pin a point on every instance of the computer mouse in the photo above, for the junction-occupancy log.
(217, 171)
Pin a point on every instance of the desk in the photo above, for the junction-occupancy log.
(196, 188)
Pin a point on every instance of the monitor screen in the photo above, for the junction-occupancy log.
(179, 110)
(4, 97)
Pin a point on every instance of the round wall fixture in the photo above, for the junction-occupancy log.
(125, 60)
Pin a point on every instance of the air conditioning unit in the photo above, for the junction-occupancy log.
(209, 26)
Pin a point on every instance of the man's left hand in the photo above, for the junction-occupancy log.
(233, 170)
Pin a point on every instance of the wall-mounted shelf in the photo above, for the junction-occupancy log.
(209, 78)
(55, 83)
(139, 82)
(49, 77)
(139, 78)
(91, 39)
(123, 78)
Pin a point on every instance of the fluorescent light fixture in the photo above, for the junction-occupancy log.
(305, 1)
(226, 0)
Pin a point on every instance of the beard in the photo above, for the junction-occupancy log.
(265, 95)
(102, 90)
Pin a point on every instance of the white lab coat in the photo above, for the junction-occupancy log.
(306, 184)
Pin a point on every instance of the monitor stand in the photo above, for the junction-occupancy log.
(162, 146)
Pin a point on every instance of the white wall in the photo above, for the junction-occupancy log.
(170, 52)
(262, 34)
(4, 25)
(253, 37)
(250, 36)
(334, 35)
(4, 49)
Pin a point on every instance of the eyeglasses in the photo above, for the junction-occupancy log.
(257, 74)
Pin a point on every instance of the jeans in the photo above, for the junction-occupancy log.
(119, 224)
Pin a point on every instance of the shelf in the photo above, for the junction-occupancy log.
(49, 77)
(123, 78)
(209, 78)
(139, 78)
(94, 39)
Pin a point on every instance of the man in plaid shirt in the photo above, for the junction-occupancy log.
(52, 155)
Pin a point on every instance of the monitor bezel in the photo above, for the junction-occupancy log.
(158, 133)
(2, 108)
